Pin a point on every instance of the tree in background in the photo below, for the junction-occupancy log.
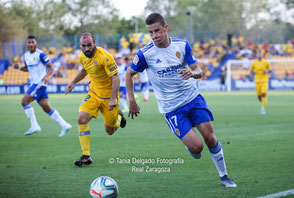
(247, 17)
(68, 17)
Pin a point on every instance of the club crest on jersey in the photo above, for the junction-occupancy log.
(107, 59)
(95, 63)
(178, 54)
(46, 58)
(136, 60)
(178, 132)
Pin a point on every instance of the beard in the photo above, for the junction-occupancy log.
(90, 54)
(32, 48)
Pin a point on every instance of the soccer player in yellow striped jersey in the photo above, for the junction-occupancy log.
(102, 94)
(262, 68)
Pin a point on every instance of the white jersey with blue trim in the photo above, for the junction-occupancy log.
(163, 66)
(36, 64)
(122, 70)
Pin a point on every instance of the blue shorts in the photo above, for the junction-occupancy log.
(144, 84)
(183, 119)
(123, 90)
(38, 92)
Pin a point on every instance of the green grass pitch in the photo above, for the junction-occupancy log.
(259, 151)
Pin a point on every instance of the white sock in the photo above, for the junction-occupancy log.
(145, 93)
(57, 118)
(29, 110)
(217, 156)
(123, 102)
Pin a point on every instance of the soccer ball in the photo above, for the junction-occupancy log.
(103, 187)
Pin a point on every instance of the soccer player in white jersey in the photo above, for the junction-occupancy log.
(122, 68)
(143, 77)
(36, 63)
(165, 59)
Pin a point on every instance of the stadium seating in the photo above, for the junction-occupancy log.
(210, 54)
(280, 70)
(15, 77)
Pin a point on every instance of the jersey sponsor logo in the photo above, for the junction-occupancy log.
(170, 70)
(111, 67)
(136, 60)
(178, 54)
(177, 131)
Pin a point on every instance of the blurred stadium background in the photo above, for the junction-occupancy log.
(218, 32)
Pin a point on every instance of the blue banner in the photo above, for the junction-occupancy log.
(79, 88)
(274, 84)
(203, 85)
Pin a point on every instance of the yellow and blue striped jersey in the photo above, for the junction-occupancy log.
(259, 68)
(100, 68)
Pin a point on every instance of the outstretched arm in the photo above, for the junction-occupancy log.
(17, 66)
(195, 71)
(134, 109)
(80, 76)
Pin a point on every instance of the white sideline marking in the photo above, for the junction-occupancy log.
(280, 194)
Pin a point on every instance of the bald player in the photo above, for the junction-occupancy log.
(102, 95)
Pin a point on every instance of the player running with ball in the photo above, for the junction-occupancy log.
(165, 59)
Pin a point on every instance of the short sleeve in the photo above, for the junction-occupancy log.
(252, 66)
(189, 54)
(139, 63)
(269, 65)
(44, 58)
(110, 65)
(81, 61)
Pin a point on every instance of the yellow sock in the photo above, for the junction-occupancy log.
(264, 102)
(118, 120)
(84, 136)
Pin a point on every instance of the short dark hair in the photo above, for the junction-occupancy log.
(155, 18)
(31, 37)
(88, 34)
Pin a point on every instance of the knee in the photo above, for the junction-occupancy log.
(210, 140)
(82, 120)
(24, 103)
(46, 109)
(196, 148)
(109, 130)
